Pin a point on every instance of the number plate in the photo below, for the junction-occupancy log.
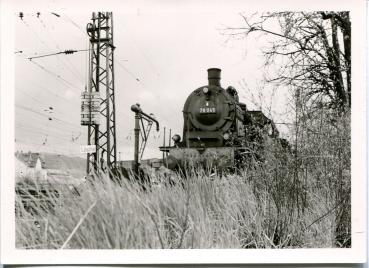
(208, 110)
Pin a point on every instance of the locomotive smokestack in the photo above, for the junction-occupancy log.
(214, 76)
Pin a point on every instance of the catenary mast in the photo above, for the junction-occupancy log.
(98, 101)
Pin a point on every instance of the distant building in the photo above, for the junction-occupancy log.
(29, 165)
(49, 167)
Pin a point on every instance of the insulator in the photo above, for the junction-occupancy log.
(69, 51)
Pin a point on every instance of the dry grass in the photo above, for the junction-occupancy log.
(232, 211)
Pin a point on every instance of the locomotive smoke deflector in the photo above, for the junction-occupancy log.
(214, 76)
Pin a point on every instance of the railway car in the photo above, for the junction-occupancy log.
(218, 130)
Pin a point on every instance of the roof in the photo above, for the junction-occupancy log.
(58, 161)
(29, 159)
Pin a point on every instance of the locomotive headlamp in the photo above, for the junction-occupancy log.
(176, 138)
(205, 90)
(226, 136)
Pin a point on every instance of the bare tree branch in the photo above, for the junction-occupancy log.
(317, 60)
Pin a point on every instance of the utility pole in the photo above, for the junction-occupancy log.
(98, 102)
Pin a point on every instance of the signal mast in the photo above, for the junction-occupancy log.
(98, 100)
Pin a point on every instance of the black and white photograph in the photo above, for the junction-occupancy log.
(187, 126)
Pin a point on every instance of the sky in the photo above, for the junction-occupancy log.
(161, 56)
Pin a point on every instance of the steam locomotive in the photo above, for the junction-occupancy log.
(218, 129)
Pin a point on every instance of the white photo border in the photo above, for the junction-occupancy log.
(355, 254)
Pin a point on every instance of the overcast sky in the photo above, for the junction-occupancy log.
(167, 50)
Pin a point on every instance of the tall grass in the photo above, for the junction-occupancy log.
(230, 211)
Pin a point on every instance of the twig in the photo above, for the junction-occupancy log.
(327, 213)
(269, 240)
(78, 224)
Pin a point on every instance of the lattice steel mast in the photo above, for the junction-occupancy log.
(98, 102)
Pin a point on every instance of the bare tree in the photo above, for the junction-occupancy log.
(312, 51)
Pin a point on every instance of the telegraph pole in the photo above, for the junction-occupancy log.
(98, 101)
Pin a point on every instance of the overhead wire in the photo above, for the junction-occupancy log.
(72, 127)
(57, 148)
(50, 72)
(67, 18)
(68, 84)
(58, 130)
(43, 104)
(46, 138)
(38, 131)
(75, 126)
(36, 35)
(128, 71)
(28, 95)
(46, 89)
(44, 115)
(66, 52)
(87, 49)
(58, 125)
(67, 62)
(135, 77)
(48, 47)
(145, 57)
(32, 130)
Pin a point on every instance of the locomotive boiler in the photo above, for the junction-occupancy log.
(218, 129)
